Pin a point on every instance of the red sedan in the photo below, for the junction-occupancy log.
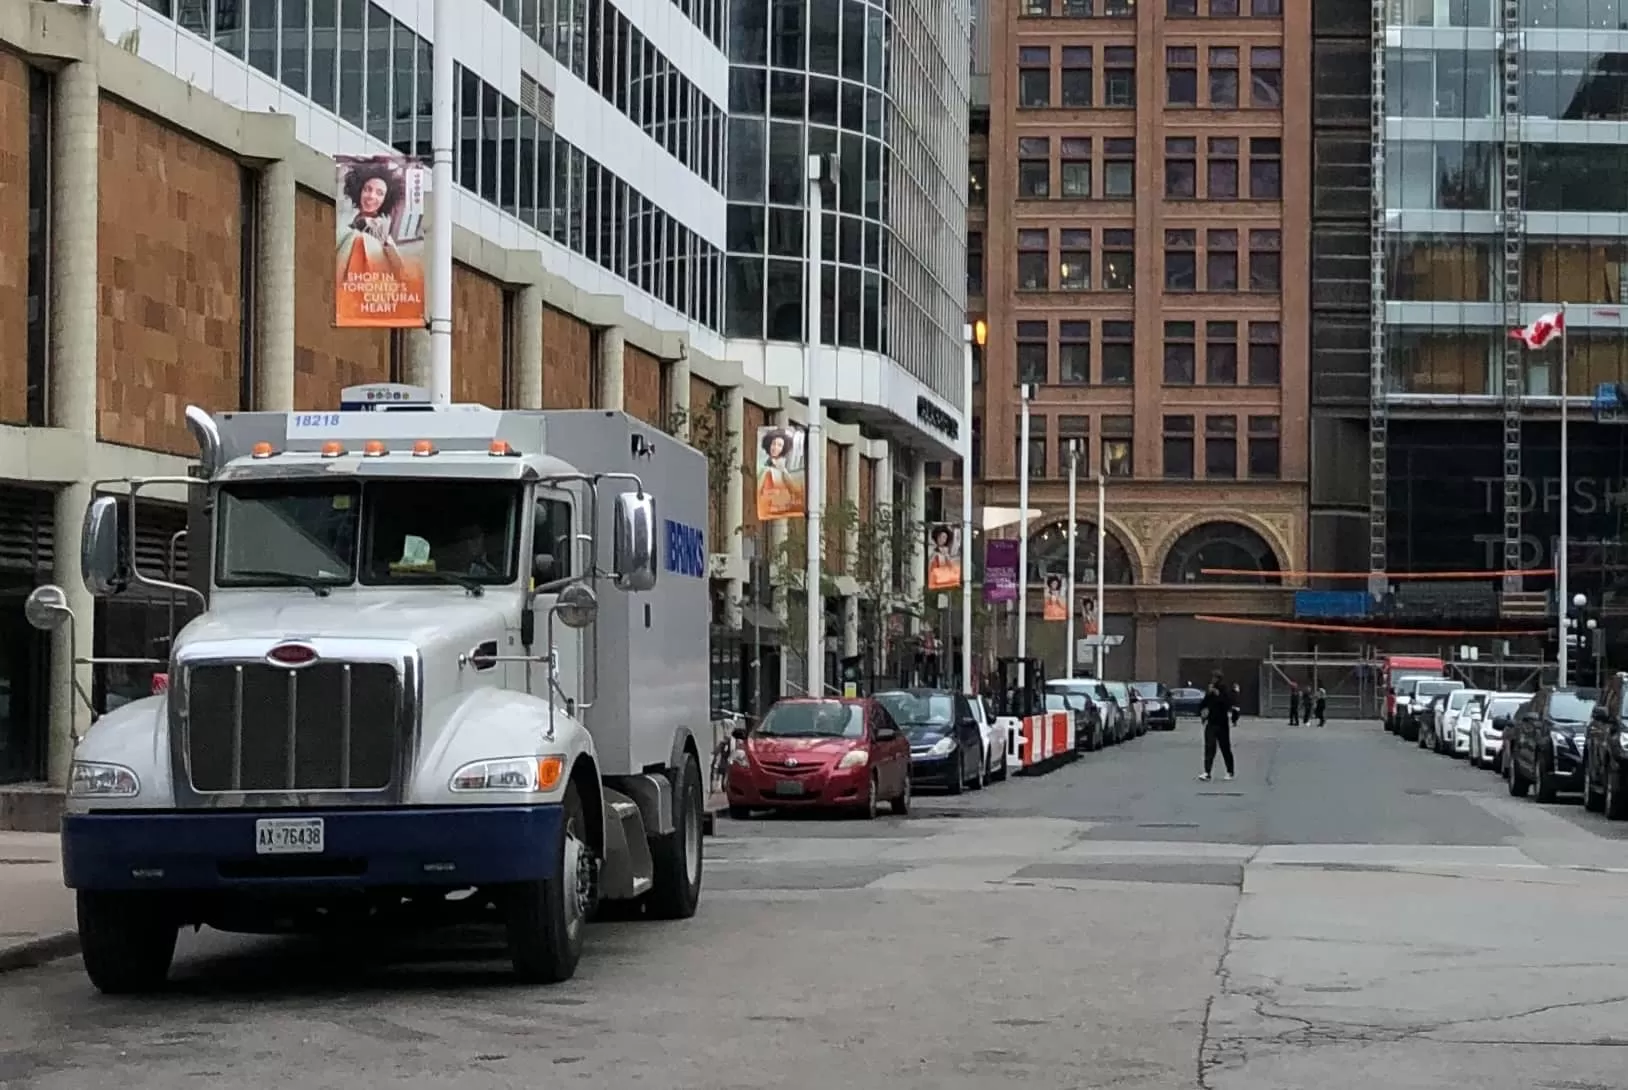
(821, 754)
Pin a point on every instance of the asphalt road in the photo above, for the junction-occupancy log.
(1349, 913)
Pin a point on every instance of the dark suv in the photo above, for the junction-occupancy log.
(1544, 747)
(1605, 757)
(1158, 709)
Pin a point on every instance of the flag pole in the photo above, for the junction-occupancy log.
(1563, 561)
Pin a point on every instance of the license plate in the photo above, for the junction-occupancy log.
(788, 787)
(288, 836)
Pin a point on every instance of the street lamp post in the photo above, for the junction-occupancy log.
(1563, 559)
(1102, 548)
(975, 333)
(442, 84)
(1023, 530)
(1073, 537)
(813, 450)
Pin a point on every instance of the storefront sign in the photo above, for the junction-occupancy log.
(936, 418)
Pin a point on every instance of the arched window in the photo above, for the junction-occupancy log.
(1048, 553)
(1221, 545)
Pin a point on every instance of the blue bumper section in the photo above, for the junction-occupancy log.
(214, 850)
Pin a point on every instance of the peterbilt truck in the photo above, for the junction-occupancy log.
(447, 664)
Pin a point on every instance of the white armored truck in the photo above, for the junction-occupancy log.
(450, 663)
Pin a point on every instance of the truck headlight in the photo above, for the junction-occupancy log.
(1622, 739)
(91, 779)
(942, 747)
(525, 775)
(854, 758)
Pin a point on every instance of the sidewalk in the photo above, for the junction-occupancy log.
(36, 909)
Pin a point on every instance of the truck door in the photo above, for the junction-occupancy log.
(555, 554)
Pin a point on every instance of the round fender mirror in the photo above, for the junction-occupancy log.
(47, 608)
(577, 606)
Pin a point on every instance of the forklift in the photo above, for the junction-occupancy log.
(1020, 687)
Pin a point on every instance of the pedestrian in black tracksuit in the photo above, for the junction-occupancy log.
(1216, 711)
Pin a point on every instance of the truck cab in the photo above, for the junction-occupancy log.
(418, 690)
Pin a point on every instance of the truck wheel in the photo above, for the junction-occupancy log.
(127, 941)
(547, 919)
(677, 857)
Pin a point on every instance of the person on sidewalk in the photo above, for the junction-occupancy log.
(1216, 711)
(1294, 704)
(1322, 706)
(1305, 705)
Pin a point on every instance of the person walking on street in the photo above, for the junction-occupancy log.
(1216, 711)
(1294, 704)
(1322, 706)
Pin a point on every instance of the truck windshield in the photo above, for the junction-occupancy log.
(410, 531)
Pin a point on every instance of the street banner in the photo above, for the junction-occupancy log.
(782, 477)
(944, 557)
(1088, 613)
(1000, 570)
(379, 245)
(1055, 605)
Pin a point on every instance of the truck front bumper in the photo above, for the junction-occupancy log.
(453, 847)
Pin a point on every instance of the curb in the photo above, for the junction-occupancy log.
(36, 952)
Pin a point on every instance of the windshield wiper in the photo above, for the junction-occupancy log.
(285, 579)
(470, 584)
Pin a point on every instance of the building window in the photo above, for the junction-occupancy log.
(1076, 167)
(1181, 260)
(1037, 7)
(1265, 168)
(1118, 259)
(1037, 445)
(1221, 169)
(1118, 434)
(1119, 167)
(1181, 7)
(1034, 166)
(975, 262)
(1268, 8)
(1223, 75)
(1077, 9)
(1074, 353)
(1265, 354)
(1223, 7)
(1034, 255)
(1221, 353)
(1073, 430)
(1180, 353)
(1119, 76)
(1220, 447)
(1181, 75)
(977, 446)
(38, 346)
(1265, 449)
(1031, 353)
(1265, 261)
(1119, 7)
(1266, 78)
(977, 365)
(1034, 77)
(1076, 76)
(1074, 260)
(1118, 353)
(1181, 167)
(1178, 448)
(1221, 260)
(978, 183)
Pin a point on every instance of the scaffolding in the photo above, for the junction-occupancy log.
(1513, 227)
(1378, 365)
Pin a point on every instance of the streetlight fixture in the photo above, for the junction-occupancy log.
(975, 333)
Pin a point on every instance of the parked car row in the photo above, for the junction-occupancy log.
(1556, 741)
(860, 754)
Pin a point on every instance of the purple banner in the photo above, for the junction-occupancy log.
(1000, 571)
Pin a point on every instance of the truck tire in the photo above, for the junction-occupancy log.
(547, 920)
(127, 942)
(677, 857)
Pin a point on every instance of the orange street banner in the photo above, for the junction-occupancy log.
(379, 253)
(1088, 614)
(944, 557)
(1055, 606)
(782, 480)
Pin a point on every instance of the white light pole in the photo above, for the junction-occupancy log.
(813, 450)
(1023, 530)
(973, 332)
(1562, 561)
(1102, 548)
(441, 204)
(1073, 538)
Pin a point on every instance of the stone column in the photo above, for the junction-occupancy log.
(75, 147)
(734, 512)
(678, 406)
(274, 345)
(416, 366)
(851, 460)
(612, 391)
(528, 347)
(916, 546)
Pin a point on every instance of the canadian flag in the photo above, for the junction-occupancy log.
(1542, 330)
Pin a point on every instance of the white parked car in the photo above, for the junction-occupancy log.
(1488, 720)
(994, 739)
(1453, 735)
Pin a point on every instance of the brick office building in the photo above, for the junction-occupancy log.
(1144, 259)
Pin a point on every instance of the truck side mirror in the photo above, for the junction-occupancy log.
(634, 551)
(99, 547)
(47, 608)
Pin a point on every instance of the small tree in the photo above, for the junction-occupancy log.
(709, 433)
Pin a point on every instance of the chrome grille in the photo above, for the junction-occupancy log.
(329, 726)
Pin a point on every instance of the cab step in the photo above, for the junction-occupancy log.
(627, 870)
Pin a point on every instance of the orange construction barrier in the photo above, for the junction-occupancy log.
(1048, 740)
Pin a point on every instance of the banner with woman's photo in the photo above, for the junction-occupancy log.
(943, 556)
(782, 478)
(1054, 606)
(379, 253)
